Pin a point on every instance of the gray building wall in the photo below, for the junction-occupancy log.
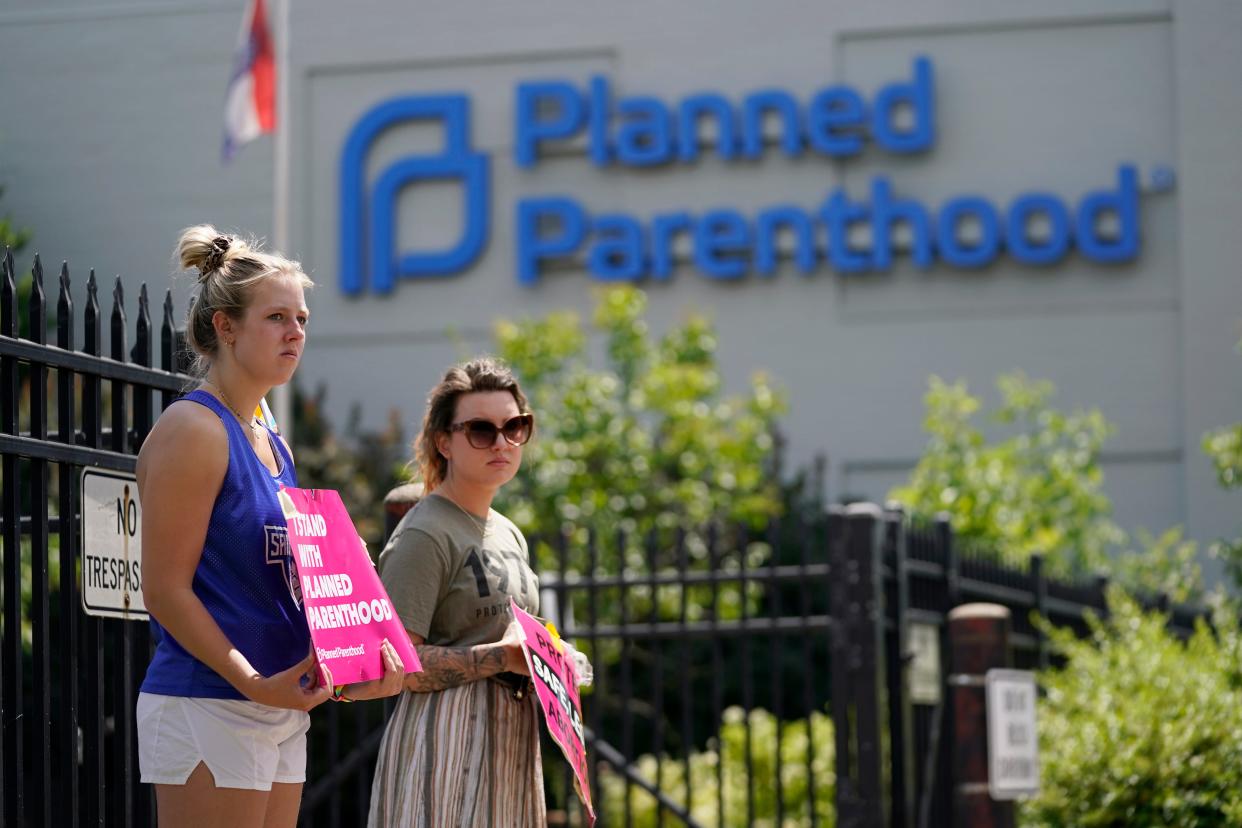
(109, 143)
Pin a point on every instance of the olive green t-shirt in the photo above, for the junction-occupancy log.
(450, 580)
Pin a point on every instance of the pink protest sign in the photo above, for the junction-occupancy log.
(556, 688)
(346, 606)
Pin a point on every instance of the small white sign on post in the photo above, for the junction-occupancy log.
(1013, 741)
(111, 546)
(923, 673)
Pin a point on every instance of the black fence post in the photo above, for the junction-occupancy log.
(123, 734)
(67, 507)
(940, 799)
(979, 641)
(168, 348)
(94, 803)
(137, 634)
(900, 713)
(40, 585)
(1039, 586)
(11, 703)
(858, 685)
(1102, 582)
(144, 414)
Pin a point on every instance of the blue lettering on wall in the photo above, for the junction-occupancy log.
(848, 233)
(967, 231)
(642, 131)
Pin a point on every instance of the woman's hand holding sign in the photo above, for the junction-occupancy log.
(515, 659)
(389, 684)
(294, 688)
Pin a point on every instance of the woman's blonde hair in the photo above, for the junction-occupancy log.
(481, 374)
(229, 268)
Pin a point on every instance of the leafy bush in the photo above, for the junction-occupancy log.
(649, 440)
(1039, 489)
(726, 756)
(648, 443)
(1139, 727)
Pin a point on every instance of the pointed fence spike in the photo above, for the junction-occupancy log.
(38, 297)
(8, 297)
(9, 283)
(168, 340)
(37, 307)
(64, 310)
(118, 293)
(90, 318)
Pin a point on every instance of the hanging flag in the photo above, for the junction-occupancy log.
(250, 103)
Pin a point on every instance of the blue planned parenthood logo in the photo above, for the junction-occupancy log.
(368, 236)
(844, 230)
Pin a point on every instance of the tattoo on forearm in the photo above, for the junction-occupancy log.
(445, 667)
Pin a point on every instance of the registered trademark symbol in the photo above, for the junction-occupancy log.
(1163, 178)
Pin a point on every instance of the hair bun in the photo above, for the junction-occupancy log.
(215, 256)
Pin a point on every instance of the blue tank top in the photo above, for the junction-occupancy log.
(245, 577)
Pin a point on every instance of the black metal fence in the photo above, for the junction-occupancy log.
(67, 680)
(813, 616)
(741, 676)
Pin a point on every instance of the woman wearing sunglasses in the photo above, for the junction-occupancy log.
(462, 746)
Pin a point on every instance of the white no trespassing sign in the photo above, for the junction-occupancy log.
(1013, 741)
(111, 545)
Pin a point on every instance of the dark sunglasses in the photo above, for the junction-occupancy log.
(481, 434)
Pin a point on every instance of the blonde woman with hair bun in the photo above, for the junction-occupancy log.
(222, 712)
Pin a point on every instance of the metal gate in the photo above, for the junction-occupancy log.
(742, 675)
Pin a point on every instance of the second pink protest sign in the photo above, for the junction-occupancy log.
(556, 688)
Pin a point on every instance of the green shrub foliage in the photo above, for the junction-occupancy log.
(646, 446)
(718, 782)
(1139, 728)
(1036, 487)
(647, 441)
(1028, 480)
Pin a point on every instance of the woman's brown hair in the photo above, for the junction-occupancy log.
(482, 374)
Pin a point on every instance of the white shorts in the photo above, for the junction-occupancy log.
(243, 743)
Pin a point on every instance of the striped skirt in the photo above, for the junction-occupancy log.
(466, 756)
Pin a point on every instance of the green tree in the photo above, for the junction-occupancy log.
(1036, 488)
(647, 440)
(1139, 727)
(718, 776)
(647, 443)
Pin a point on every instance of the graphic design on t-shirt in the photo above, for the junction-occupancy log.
(502, 565)
(278, 553)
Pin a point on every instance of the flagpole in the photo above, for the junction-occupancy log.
(282, 395)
